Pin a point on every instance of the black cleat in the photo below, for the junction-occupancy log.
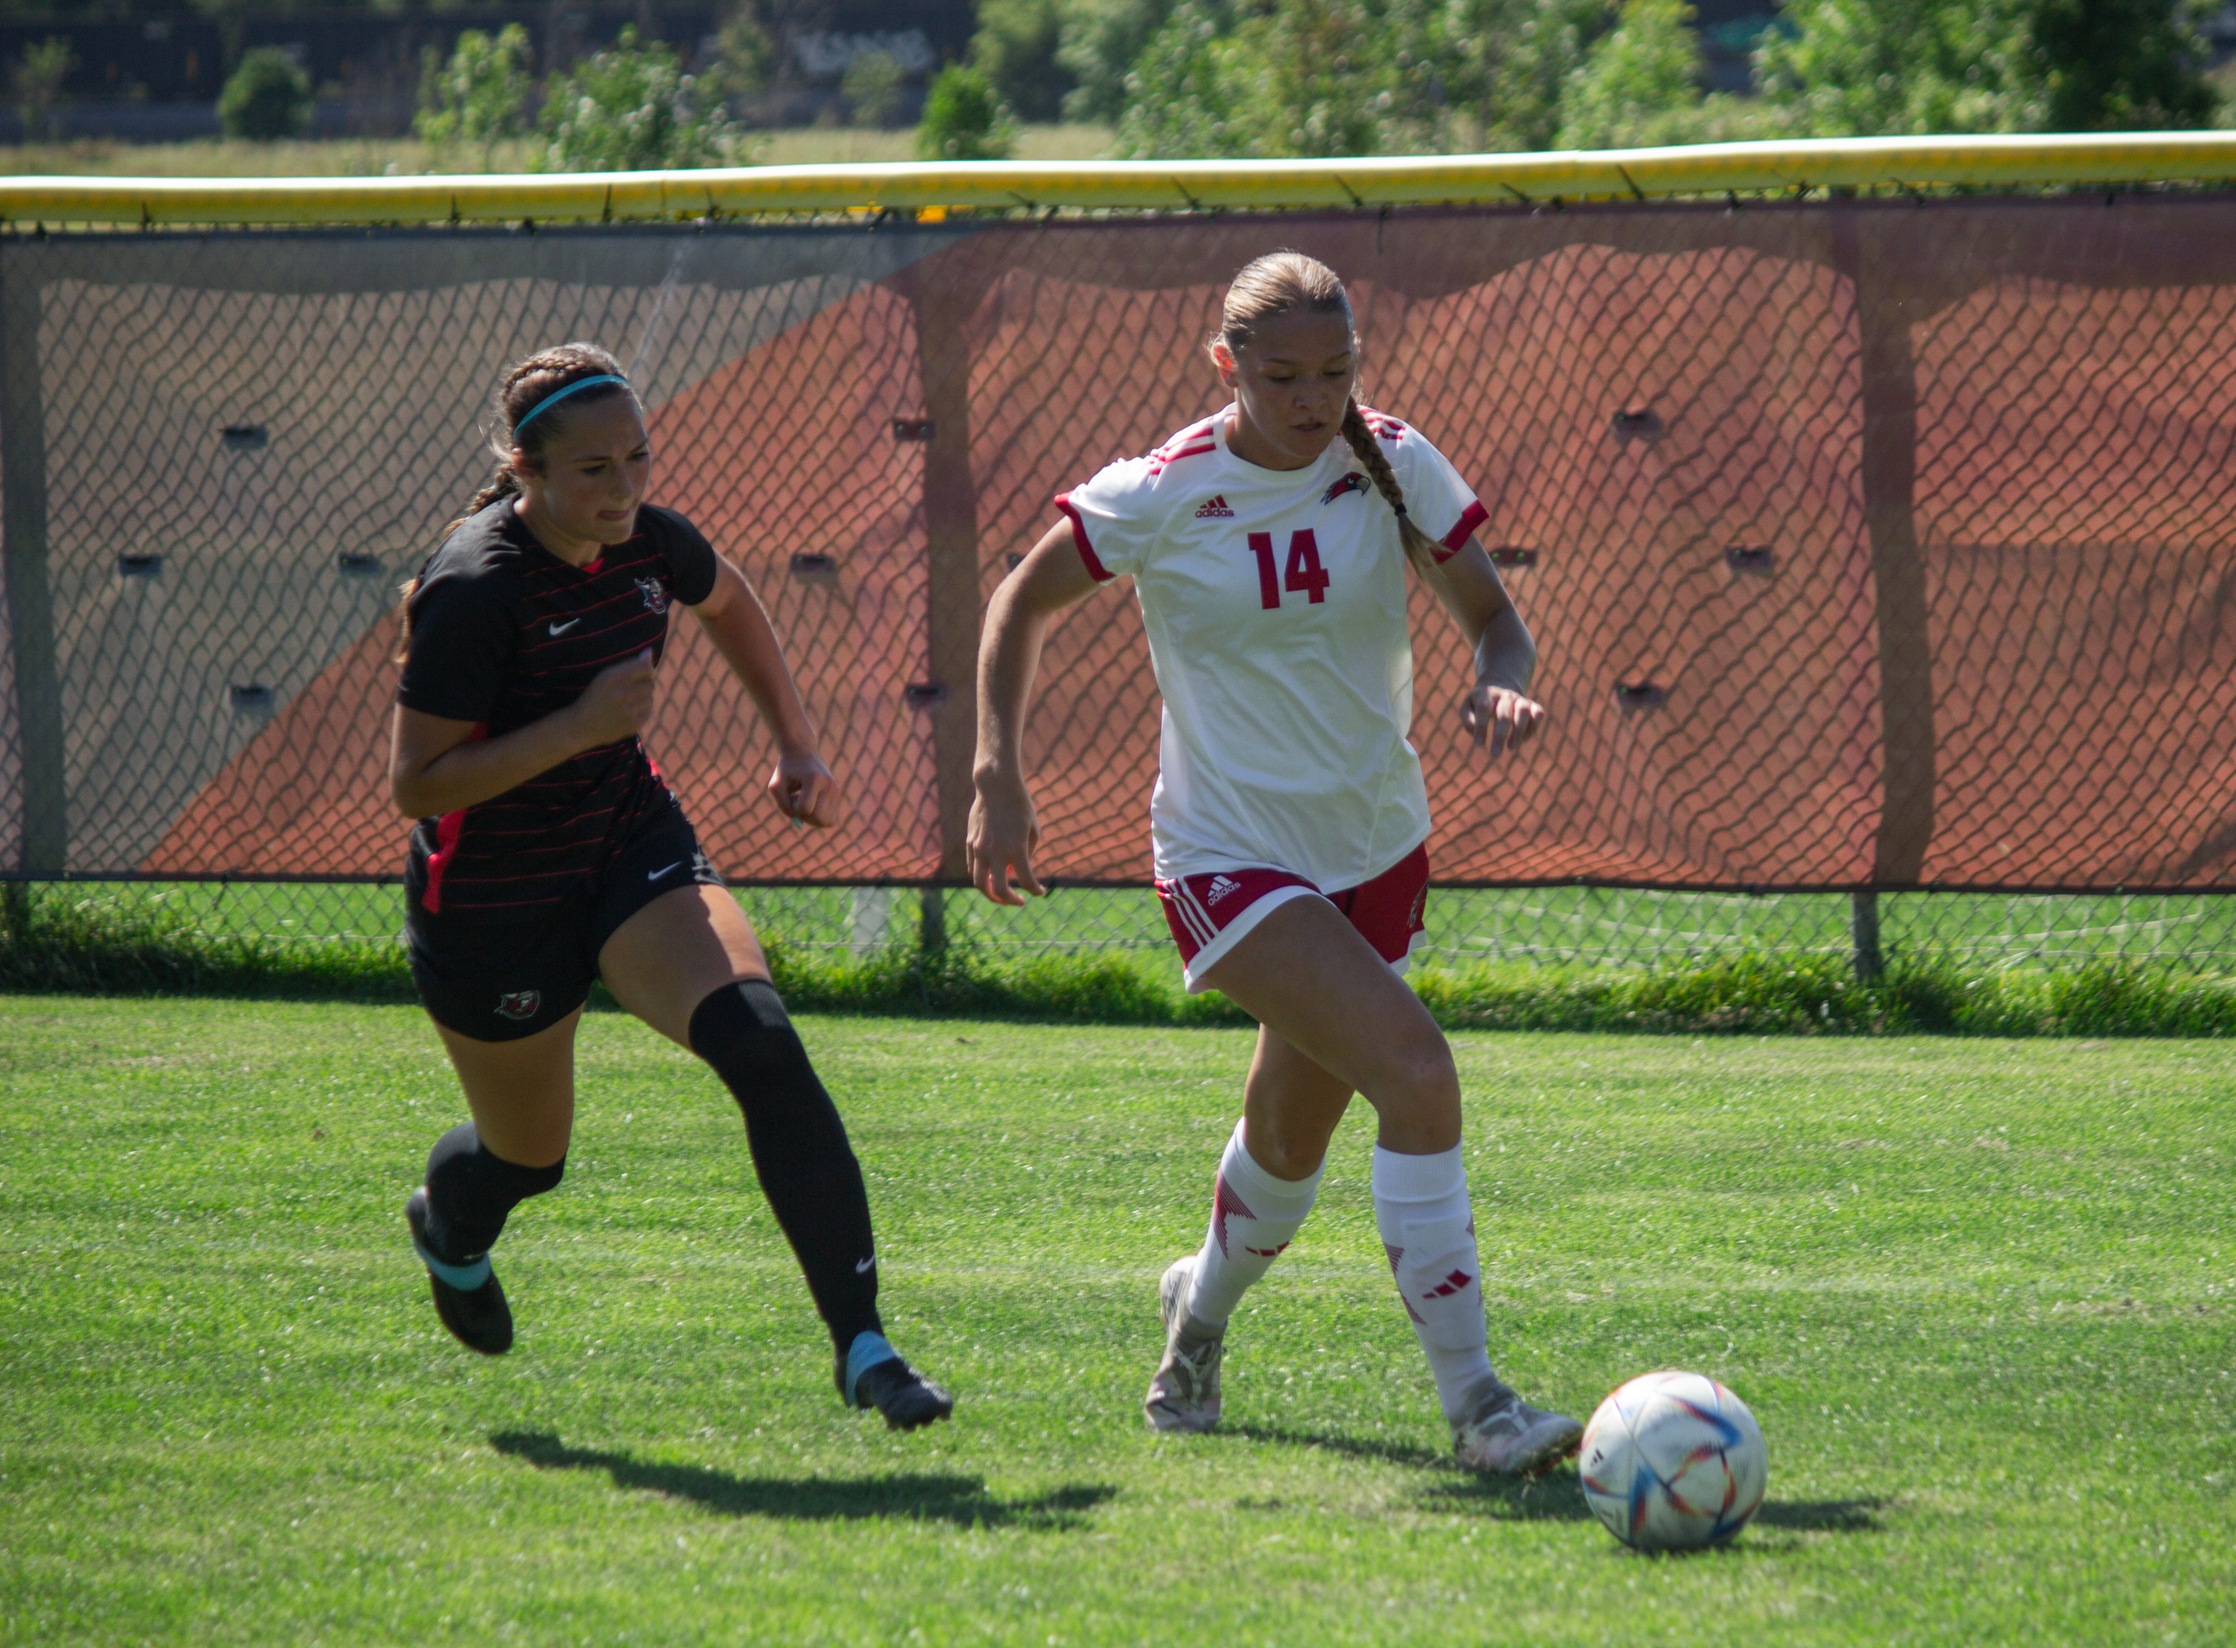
(905, 1397)
(477, 1316)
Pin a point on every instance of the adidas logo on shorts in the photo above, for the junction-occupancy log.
(1220, 886)
(1215, 507)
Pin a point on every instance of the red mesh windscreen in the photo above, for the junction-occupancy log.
(1865, 545)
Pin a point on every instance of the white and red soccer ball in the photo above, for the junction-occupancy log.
(1673, 1461)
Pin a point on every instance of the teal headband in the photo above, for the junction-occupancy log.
(558, 395)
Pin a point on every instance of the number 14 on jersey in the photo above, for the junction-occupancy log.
(1302, 576)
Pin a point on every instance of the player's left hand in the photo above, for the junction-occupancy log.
(805, 792)
(1498, 718)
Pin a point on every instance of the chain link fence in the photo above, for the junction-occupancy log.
(1869, 545)
(1566, 927)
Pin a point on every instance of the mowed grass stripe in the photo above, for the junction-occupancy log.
(1982, 1296)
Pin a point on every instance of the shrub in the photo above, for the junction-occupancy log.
(480, 96)
(37, 84)
(1101, 42)
(1016, 44)
(632, 108)
(965, 118)
(1637, 83)
(267, 98)
(1857, 67)
(1315, 77)
(873, 87)
(744, 51)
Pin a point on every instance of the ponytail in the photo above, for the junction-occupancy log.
(1420, 548)
(503, 484)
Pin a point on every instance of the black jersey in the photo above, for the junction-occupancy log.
(503, 633)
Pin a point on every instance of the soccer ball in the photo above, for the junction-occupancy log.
(1672, 1461)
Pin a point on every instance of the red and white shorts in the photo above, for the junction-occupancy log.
(1210, 914)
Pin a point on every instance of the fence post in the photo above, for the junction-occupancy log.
(1885, 308)
(23, 564)
(944, 293)
(1863, 929)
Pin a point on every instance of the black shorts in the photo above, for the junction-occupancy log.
(501, 978)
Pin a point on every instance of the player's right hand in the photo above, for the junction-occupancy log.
(1003, 837)
(617, 703)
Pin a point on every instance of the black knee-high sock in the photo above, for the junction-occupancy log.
(807, 1169)
(469, 1192)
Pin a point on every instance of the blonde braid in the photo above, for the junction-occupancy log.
(1420, 548)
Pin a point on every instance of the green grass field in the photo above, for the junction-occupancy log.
(1981, 1295)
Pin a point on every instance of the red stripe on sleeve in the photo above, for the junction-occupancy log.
(1475, 516)
(1095, 569)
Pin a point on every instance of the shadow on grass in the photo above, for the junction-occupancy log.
(960, 1500)
(1550, 1498)
(1818, 1516)
(1351, 1447)
(1822, 1516)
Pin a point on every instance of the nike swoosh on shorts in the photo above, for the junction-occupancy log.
(655, 875)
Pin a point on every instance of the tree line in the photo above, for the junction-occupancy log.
(1277, 78)
(1338, 77)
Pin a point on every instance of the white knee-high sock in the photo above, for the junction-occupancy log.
(1428, 1230)
(1253, 1217)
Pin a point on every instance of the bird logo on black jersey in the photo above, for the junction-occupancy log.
(655, 594)
(1353, 482)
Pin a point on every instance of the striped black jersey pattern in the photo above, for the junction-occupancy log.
(504, 633)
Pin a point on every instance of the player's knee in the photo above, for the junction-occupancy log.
(743, 1030)
(1287, 1155)
(1423, 1077)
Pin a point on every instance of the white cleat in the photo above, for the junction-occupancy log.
(1508, 1437)
(1184, 1396)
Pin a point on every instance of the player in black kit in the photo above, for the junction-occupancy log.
(549, 852)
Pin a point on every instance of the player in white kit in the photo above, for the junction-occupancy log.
(1268, 548)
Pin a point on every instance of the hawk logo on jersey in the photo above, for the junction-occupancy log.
(1353, 482)
(1220, 886)
(655, 594)
(1215, 508)
(520, 1005)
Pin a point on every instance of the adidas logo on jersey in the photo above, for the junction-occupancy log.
(1220, 886)
(1216, 507)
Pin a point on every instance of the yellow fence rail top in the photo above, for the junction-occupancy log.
(1151, 185)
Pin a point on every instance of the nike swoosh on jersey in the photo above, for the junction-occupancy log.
(561, 629)
(655, 875)
(862, 1266)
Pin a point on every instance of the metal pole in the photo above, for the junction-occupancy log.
(23, 567)
(1863, 927)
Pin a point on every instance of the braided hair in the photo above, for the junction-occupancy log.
(1284, 283)
(525, 383)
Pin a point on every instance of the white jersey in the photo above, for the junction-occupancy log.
(1275, 601)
